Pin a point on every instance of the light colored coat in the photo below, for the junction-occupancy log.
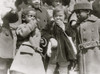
(27, 60)
(89, 57)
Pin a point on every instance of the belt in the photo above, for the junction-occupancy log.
(89, 44)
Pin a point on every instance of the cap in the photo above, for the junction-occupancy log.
(84, 5)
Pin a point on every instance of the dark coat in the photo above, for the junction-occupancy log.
(64, 50)
(96, 8)
(88, 35)
(6, 37)
(43, 17)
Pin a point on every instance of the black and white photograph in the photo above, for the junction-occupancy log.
(49, 36)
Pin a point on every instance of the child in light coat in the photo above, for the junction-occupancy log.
(28, 59)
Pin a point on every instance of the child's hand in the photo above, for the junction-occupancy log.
(20, 29)
(60, 24)
(39, 49)
(34, 22)
(49, 52)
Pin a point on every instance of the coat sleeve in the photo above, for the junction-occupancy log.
(35, 38)
(69, 31)
(26, 29)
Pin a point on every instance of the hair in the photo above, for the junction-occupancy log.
(41, 2)
(60, 8)
(64, 2)
(25, 12)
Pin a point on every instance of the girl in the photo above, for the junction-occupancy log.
(64, 50)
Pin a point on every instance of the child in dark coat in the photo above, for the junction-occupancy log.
(65, 48)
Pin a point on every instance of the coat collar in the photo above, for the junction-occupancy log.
(92, 18)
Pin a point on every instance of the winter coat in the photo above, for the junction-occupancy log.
(27, 60)
(64, 50)
(88, 43)
(6, 38)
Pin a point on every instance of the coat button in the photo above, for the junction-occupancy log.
(7, 34)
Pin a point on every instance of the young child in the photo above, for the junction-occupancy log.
(43, 20)
(64, 50)
(52, 4)
(87, 30)
(28, 58)
(41, 13)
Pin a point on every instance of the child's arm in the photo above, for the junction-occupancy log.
(25, 29)
(35, 40)
(60, 24)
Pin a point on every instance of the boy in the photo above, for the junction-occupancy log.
(64, 50)
(87, 30)
(28, 59)
(41, 13)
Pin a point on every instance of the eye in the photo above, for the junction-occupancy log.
(31, 15)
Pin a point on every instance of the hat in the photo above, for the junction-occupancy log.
(83, 5)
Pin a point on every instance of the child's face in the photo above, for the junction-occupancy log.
(56, 3)
(35, 3)
(30, 16)
(59, 16)
(82, 14)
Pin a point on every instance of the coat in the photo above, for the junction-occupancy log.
(43, 17)
(64, 51)
(27, 60)
(96, 6)
(88, 36)
(6, 38)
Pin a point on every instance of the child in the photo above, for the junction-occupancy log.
(43, 20)
(28, 59)
(64, 50)
(52, 4)
(87, 30)
(41, 13)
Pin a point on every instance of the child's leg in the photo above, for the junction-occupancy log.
(63, 68)
(52, 44)
(51, 68)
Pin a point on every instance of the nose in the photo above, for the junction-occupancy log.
(58, 17)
